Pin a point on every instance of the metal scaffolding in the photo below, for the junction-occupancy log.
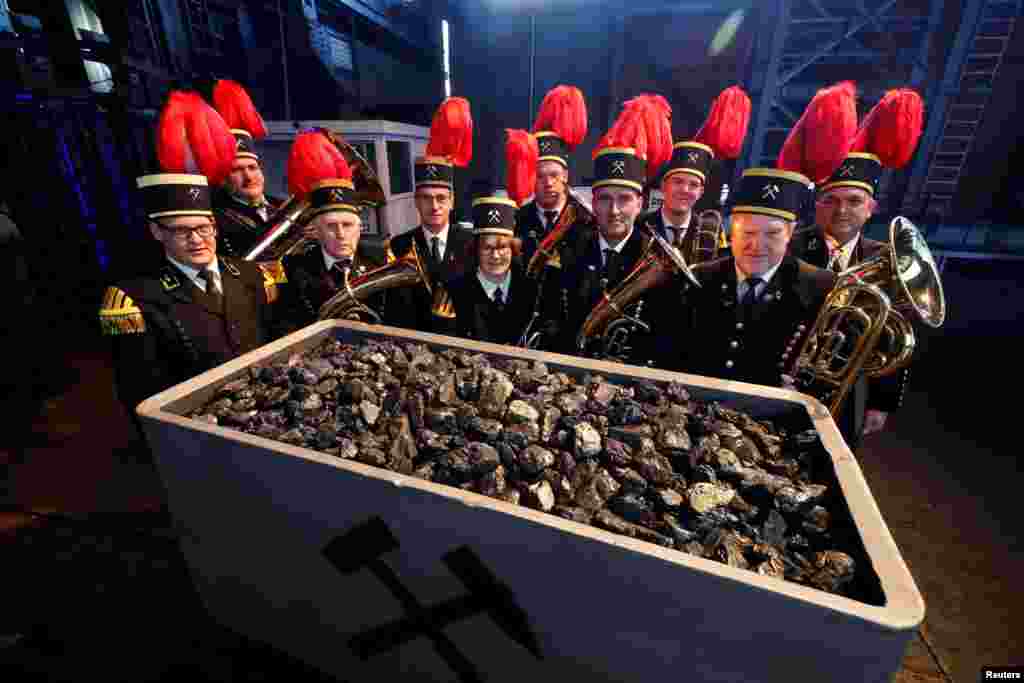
(881, 44)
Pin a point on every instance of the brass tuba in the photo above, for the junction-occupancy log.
(863, 326)
(348, 302)
(286, 235)
(608, 319)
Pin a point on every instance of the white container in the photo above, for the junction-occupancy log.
(257, 516)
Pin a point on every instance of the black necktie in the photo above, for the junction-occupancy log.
(213, 288)
(339, 268)
(611, 264)
(435, 249)
(499, 297)
(552, 216)
(750, 297)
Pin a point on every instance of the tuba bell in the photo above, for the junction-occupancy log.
(865, 323)
(407, 271)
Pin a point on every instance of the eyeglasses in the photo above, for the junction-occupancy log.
(182, 234)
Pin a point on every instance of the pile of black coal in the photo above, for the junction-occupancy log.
(641, 459)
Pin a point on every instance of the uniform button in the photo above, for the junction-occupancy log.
(739, 326)
(802, 327)
(729, 363)
(734, 344)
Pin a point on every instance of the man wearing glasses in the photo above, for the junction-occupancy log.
(441, 248)
(198, 311)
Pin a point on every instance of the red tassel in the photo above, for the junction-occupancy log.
(235, 105)
(451, 131)
(521, 153)
(564, 112)
(657, 114)
(314, 158)
(892, 128)
(822, 137)
(193, 138)
(726, 125)
(629, 130)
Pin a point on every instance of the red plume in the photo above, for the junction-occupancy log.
(822, 137)
(451, 131)
(564, 112)
(656, 113)
(521, 153)
(312, 159)
(235, 105)
(191, 137)
(892, 128)
(629, 130)
(726, 125)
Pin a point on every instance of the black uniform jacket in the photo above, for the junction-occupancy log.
(704, 331)
(572, 294)
(411, 306)
(531, 230)
(479, 318)
(884, 393)
(310, 284)
(166, 330)
(239, 225)
(654, 220)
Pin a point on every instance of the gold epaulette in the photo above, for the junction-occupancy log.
(389, 255)
(273, 275)
(119, 314)
(723, 241)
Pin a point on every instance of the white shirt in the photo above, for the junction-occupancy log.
(329, 260)
(678, 231)
(443, 241)
(490, 287)
(741, 282)
(845, 252)
(617, 248)
(193, 273)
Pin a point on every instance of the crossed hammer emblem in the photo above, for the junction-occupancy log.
(494, 216)
(693, 157)
(545, 146)
(337, 195)
(432, 171)
(618, 167)
(194, 193)
(365, 547)
(846, 171)
(770, 192)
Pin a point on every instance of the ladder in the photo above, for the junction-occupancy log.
(965, 110)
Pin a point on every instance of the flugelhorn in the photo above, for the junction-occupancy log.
(863, 326)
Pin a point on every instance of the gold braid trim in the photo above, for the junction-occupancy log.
(389, 255)
(119, 314)
(273, 275)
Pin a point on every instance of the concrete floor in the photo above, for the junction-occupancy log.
(106, 595)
